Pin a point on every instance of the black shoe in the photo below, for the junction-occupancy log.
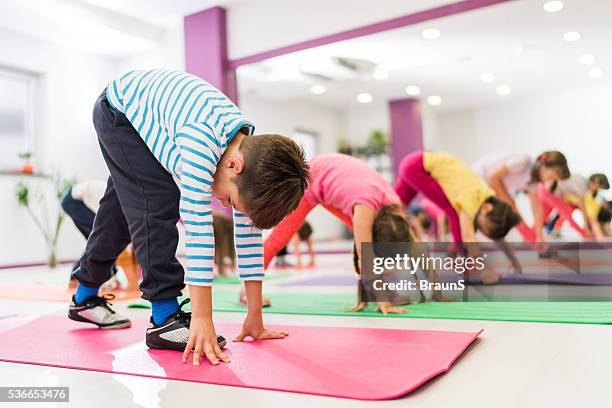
(97, 310)
(173, 334)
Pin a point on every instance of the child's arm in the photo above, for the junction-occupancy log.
(363, 220)
(536, 208)
(249, 252)
(473, 249)
(202, 334)
(253, 324)
(503, 245)
(282, 233)
(296, 249)
(199, 152)
(496, 182)
(311, 251)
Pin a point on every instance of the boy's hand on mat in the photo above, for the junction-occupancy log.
(253, 327)
(203, 340)
(386, 307)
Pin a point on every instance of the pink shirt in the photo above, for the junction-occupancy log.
(341, 181)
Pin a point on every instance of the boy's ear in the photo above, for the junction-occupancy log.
(235, 164)
(487, 207)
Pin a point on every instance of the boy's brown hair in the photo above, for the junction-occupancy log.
(274, 178)
(502, 218)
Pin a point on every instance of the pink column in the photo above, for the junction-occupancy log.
(206, 57)
(406, 129)
(206, 49)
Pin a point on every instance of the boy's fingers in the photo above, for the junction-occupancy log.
(220, 354)
(265, 335)
(210, 354)
(197, 353)
(188, 349)
(241, 336)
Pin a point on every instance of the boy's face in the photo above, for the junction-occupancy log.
(223, 187)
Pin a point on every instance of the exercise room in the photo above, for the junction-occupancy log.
(226, 201)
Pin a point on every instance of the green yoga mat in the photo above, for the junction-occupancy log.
(335, 305)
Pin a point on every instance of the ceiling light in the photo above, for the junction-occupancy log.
(595, 72)
(487, 78)
(431, 34)
(503, 90)
(434, 100)
(586, 59)
(380, 74)
(571, 36)
(413, 90)
(318, 89)
(364, 97)
(553, 6)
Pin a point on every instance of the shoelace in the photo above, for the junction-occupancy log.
(103, 301)
(182, 316)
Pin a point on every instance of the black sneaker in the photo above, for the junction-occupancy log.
(97, 310)
(173, 334)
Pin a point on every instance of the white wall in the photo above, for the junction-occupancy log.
(68, 84)
(287, 117)
(169, 54)
(577, 122)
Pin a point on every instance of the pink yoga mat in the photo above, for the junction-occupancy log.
(369, 364)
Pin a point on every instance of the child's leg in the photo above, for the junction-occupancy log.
(82, 216)
(149, 199)
(563, 209)
(109, 237)
(414, 178)
(409, 165)
(526, 232)
(284, 231)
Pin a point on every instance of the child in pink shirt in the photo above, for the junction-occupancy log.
(355, 193)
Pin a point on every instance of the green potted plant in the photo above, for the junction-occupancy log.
(35, 203)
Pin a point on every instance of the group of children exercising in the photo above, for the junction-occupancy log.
(172, 142)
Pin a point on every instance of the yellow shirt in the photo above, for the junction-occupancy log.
(463, 188)
(592, 206)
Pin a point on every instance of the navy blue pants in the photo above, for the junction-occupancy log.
(82, 216)
(141, 205)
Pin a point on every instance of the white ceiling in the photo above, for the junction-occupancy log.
(115, 28)
(520, 43)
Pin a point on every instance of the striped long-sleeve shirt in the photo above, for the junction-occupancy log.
(187, 124)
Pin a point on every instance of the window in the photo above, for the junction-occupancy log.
(16, 100)
(308, 141)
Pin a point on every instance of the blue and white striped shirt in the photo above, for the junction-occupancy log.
(187, 124)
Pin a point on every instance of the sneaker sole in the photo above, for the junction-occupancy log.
(119, 325)
(220, 340)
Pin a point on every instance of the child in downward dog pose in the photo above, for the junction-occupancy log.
(465, 198)
(598, 210)
(510, 173)
(565, 196)
(153, 126)
(360, 197)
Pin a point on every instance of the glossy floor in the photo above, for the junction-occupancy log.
(511, 365)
